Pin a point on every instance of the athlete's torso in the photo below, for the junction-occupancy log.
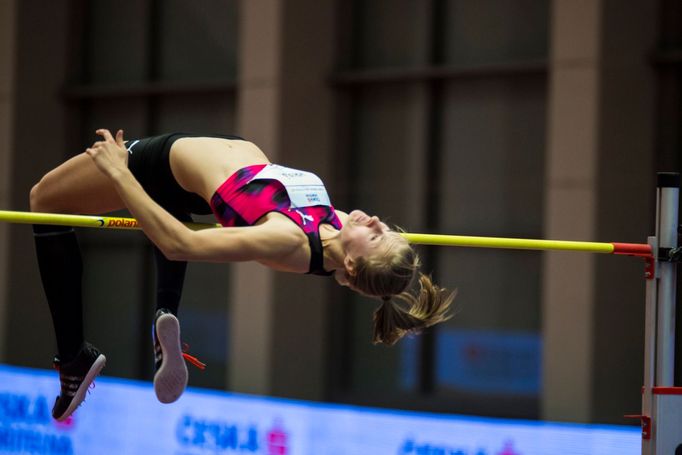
(205, 165)
(255, 191)
(202, 164)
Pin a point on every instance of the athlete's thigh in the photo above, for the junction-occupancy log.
(76, 186)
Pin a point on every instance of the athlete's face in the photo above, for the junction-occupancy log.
(363, 235)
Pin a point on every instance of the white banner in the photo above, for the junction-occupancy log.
(123, 417)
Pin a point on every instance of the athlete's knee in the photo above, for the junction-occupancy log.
(39, 198)
(35, 197)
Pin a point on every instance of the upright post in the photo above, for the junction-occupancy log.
(651, 275)
(661, 400)
(666, 231)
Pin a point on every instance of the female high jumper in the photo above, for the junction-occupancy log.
(277, 216)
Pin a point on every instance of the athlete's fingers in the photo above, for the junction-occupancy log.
(105, 134)
(119, 138)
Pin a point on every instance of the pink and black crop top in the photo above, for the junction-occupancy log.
(244, 198)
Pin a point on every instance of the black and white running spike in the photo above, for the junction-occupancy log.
(76, 377)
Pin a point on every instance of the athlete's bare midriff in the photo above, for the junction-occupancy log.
(201, 164)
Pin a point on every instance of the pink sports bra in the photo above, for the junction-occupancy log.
(242, 200)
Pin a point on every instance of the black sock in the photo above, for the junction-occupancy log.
(170, 277)
(61, 269)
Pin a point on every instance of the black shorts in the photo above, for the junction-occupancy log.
(149, 161)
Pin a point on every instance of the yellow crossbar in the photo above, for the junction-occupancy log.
(107, 222)
(92, 221)
(506, 243)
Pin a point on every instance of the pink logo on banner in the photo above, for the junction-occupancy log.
(68, 424)
(508, 449)
(277, 440)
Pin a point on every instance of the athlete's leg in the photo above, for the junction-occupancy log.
(76, 186)
(170, 278)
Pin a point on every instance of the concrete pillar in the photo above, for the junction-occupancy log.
(306, 133)
(278, 321)
(599, 186)
(251, 298)
(7, 68)
(570, 208)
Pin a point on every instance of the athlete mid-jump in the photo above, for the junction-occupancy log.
(279, 217)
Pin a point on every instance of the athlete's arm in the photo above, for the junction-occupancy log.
(237, 244)
(111, 158)
(174, 239)
(179, 243)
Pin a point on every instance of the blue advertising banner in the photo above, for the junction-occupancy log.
(123, 417)
(489, 361)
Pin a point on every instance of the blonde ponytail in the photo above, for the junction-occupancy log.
(390, 275)
(429, 306)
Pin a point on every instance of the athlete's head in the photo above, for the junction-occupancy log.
(380, 263)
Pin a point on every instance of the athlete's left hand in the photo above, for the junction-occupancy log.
(110, 155)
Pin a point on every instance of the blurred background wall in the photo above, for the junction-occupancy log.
(522, 118)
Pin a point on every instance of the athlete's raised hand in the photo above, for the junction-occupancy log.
(110, 155)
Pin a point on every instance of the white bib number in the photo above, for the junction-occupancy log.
(305, 189)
